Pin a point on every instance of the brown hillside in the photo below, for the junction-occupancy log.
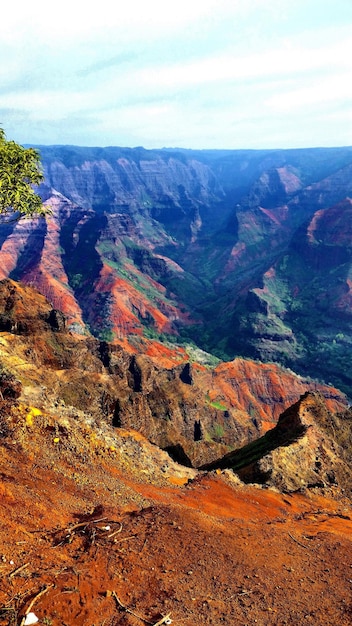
(94, 519)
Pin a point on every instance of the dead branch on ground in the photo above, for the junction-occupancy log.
(299, 542)
(164, 620)
(33, 601)
(18, 570)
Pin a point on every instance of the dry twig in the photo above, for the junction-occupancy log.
(33, 601)
(244, 592)
(83, 524)
(89, 528)
(125, 539)
(18, 570)
(116, 532)
(164, 620)
(125, 608)
(299, 542)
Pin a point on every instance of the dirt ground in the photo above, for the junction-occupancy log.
(95, 534)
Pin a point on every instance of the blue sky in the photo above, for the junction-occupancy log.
(193, 73)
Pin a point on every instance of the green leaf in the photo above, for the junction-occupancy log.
(19, 169)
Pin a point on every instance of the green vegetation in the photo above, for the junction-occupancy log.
(197, 354)
(215, 404)
(138, 280)
(19, 170)
(76, 281)
(215, 433)
(218, 431)
(105, 335)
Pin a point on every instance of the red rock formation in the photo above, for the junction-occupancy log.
(265, 390)
(160, 393)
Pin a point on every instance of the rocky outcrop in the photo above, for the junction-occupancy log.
(24, 311)
(296, 454)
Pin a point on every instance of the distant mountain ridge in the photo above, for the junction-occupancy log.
(241, 252)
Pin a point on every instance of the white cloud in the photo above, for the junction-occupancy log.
(81, 20)
(280, 61)
(160, 73)
(319, 92)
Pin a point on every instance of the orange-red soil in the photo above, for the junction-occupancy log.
(207, 551)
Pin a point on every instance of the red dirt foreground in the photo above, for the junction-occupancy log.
(100, 528)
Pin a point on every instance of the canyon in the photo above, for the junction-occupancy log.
(175, 425)
(240, 253)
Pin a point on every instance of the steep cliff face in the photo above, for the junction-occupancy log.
(194, 412)
(301, 314)
(210, 247)
(79, 260)
(161, 186)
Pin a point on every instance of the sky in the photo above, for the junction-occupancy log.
(201, 74)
